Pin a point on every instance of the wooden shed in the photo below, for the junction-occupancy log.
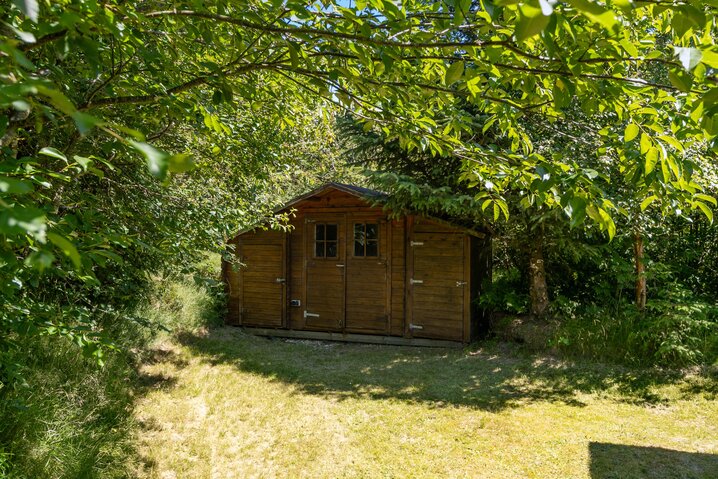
(346, 270)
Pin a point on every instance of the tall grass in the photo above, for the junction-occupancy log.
(72, 418)
(675, 331)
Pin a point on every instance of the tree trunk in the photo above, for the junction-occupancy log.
(537, 275)
(640, 271)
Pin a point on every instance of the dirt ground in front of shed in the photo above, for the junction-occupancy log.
(228, 405)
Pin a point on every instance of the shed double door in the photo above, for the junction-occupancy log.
(346, 274)
(438, 286)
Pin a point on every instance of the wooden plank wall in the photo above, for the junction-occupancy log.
(398, 276)
(230, 273)
(235, 278)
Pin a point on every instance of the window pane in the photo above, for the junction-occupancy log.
(372, 231)
(331, 249)
(320, 231)
(319, 249)
(372, 248)
(358, 248)
(331, 232)
(359, 233)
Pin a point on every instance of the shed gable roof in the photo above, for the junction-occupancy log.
(358, 191)
(366, 194)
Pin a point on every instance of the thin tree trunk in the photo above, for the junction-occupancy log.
(537, 274)
(638, 258)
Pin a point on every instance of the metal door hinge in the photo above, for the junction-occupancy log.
(416, 281)
(280, 280)
(461, 283)
(415, 326)
(310, 315)
(416, 243)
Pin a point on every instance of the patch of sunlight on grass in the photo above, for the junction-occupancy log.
(230, 405)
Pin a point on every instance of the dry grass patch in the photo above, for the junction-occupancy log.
(230, 405)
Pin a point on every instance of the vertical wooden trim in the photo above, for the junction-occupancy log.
(287, 280)
(240, 282)
(409, 272)
(342, 258)
(467, 288)
(305, 261)
(389, 225)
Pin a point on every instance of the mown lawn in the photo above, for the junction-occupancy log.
(231, 405)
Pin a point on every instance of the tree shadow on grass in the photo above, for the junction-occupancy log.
(617, 461)
(495, 376)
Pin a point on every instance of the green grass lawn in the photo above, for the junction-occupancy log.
(232, 405)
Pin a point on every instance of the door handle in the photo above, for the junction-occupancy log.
(415, 326)
(340, 266)
(310, 315)
(416, 281)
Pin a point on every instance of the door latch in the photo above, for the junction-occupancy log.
(413, 326)
(460, 283)
(416, 243)
(416, 281)
(280, 280)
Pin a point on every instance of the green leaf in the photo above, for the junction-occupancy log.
(596, 13)
(646, 143)
(26, 37)
(157, 160)
(66, 247)
(651, 159)
(630, 132)
(54, 153)
(40, 260)
(85, 122)
(29, 7)
(710, 58)
(454, 72)
(708, 198)
(531, 22)
(83, 162)
(547, 6)
(681, 80)
(293, 54)
(705, 209)
(19, 221)
(645, 203)
(629, 47)
(610, 227)
(688, 56)
(180, 163)
(14, 186)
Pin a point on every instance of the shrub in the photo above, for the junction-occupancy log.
(676, 330)
(505, 293)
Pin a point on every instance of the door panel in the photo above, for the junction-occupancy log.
(366, 284)
(437, 287)
(263, 285)
(325, 253)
